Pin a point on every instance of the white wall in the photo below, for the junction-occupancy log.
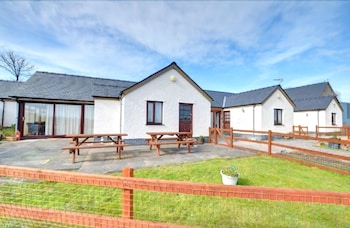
(10, 113)
(277, 101)
(246, 117)
(261, 117)
(321, 118)
(171, 94)
(309, 119)
(107, 115)
(333, 107)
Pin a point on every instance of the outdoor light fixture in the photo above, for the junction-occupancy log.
(173, 78)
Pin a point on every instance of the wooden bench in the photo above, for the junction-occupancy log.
(165, 139)
(188, 143)
(75, 149)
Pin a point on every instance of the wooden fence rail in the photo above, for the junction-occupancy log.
(128, 184)
(229, 139)
(333, 131)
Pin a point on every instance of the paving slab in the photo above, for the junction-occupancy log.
(47, 154)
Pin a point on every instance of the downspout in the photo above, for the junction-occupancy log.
(3, 113)
(253, 119)
(120, 114)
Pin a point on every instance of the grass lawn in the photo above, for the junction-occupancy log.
(201, 211)
(257, 170)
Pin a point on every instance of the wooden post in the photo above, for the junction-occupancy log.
(231, 137)
(209, 137)
(269, 145)
(128, 196)
(316, 131)
(215, 136)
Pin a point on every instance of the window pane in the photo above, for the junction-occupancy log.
(149, 112)
(279, 116)
(158, 113)
(67, 119)
(334, 119)
(37, 119)
(89, 119)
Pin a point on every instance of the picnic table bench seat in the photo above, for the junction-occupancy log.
(188, 143)
(73, 149)
(93, 146)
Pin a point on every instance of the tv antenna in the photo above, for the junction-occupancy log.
(280, 80)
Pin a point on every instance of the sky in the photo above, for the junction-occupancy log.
(231, 46)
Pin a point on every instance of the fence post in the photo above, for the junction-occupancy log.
(316, 131)
(231, 137)
(209, 135)
(128, 196)
(215, 136)
(269, 145)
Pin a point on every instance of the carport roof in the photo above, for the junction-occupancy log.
(252, 97)
(6, 88)
(218, 98)
(53, 86)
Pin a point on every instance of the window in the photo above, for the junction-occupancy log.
(56, 119)
(67, 119)
(334, 118)
(227, 116)
(38, 119)
(278, 116)
(154, 112)
(88, 119)
(227, 119)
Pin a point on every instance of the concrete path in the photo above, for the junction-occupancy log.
(47, 154)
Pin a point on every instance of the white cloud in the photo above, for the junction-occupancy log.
(132, 39)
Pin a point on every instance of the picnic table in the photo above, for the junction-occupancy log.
(101, 140)
(176, 138)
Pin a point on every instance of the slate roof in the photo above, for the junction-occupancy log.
(312, 97)
(6, 88)
(218, 98)
(53, 86)
(252, 97)
(65, 87)
(312, 103)
(313, 90)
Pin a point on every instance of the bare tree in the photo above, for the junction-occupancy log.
(15, 64)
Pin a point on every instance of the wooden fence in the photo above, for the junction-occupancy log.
(128, 184)
(228, 137)
(333, 132)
